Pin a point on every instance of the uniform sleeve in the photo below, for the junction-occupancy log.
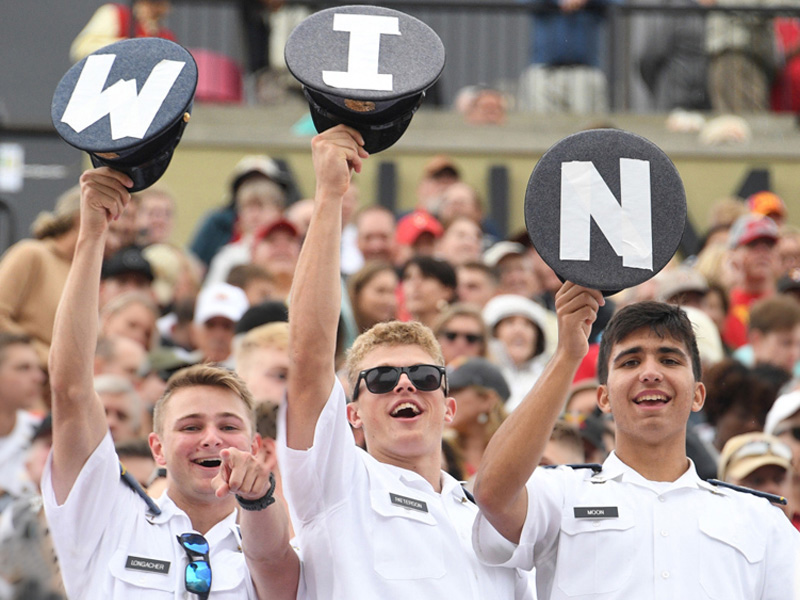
(17, 269)
(539, 533)
(101, 30)
(94, 502)
(782, 580)
(322, 476)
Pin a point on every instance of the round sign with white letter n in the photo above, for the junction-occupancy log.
(605, 209)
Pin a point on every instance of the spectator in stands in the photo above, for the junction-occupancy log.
(429, 285)
(480, 391)
(783, 421)
(259, 202)
(461, 241)
(136, 457)
(262, 361)
(752, 241)
(683, 286)
(789, 249)
(122, 405)
(758, 461)
(518, 327)
(222, 226)
(514, 270)
(219, 307)
(439, 173)
(33, 272)
(480, 105)
(737, 402)
(121, 356)
(132, 315)
(375, 238)
(373, 294)
(565, 446)
(768, 204)
(567, 58)
(127, 270)
(275, 248)
(774, 333)
(461, 333)
(21, 390)
(114, 22)
(416, 235)
(477, 283)
(255, 280)
(155, 216)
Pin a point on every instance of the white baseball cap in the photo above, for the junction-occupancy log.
(220, 300)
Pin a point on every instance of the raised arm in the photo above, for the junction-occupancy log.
(79, 421)
(516, 448)
(315, 299)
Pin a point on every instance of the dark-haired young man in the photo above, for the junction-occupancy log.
(645, 525)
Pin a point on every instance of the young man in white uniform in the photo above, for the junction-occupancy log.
(645, 526)
(110, 543)
(389, 523)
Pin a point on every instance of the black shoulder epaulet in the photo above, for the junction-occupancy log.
(136, 487)
(596, 467)
(774, 498)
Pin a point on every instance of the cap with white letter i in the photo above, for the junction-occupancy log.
(605, 209)
(365, 66)
(127, 104)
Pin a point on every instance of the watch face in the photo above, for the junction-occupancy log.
(605, 209)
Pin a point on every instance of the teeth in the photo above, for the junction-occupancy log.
(209, 462)
(405, 406)
(653, 398)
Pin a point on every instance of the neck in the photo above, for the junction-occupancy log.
(758, 284)
(204, 514)
(656, 461)
(8, 419)
(429, 467)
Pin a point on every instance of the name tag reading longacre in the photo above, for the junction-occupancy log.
(407, 502)
(151, 565)
(596, 512)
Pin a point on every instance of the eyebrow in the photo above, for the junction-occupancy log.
(224, 415)
(661, 350)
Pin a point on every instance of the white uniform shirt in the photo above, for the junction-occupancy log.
(110, 546)
(685, 539)
(375, 531)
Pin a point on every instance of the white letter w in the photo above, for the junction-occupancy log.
(131, 114)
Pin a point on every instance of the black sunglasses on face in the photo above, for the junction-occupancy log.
(472, 338)
(382, 380)
(198, 572)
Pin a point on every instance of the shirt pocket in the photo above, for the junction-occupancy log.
(736, 546)
(135, 583)
(407, 543)
(593, 550)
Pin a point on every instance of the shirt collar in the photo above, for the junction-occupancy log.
(615, 469)
(414, 480)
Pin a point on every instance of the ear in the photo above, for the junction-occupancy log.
(699, 396)
(352, 415)
(449, 409)
(157, 448)
(602, 399)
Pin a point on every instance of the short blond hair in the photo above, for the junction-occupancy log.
(271, 335)
(205, 375)
(391, 333)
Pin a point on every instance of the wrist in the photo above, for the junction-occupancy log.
(260, 503)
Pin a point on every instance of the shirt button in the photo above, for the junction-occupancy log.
(665, 574)
(596, 523)
(662, 499)
(664, 533)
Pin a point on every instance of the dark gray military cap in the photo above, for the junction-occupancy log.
(605, 209)
(127, 105)
(365, 66)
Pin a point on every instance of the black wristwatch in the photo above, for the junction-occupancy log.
(262, 502)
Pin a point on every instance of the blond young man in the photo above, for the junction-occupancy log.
(112, 542)
(389, 523)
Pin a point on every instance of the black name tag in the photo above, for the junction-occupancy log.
(596, 512)
(406, 502)
(151, 565)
